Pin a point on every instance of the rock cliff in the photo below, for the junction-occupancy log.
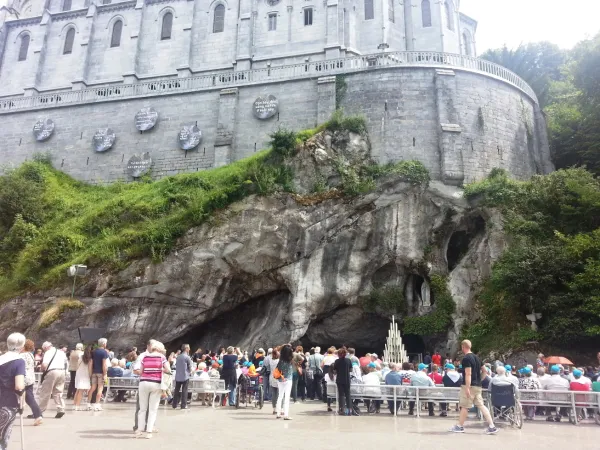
(290, 266)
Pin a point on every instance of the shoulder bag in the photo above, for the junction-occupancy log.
(48, 368)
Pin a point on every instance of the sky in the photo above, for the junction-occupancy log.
(513, 22)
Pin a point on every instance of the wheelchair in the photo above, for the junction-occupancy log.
(506, 405)
(249, 391)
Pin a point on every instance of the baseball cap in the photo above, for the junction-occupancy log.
(449, 366)
(525, 370)
(371, 365)
(422, 366)
(508, 368)
(577, 373)
(554, 369)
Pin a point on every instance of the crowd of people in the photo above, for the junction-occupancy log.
(287, 375)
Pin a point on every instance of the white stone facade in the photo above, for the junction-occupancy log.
(208, 36)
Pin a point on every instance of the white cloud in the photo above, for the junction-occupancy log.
(512, 22)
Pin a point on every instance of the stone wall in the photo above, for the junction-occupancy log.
(459, 124)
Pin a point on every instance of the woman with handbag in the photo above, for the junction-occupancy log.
(283, 374)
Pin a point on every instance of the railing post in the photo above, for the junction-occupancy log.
(574, 408)
(395, 407)
(418, 402)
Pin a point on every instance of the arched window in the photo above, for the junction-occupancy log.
(391, 11)
(24, 47)
(68, 48)
(467, 43)
(426, 13)
(369, 11)
(219, 19)
(449, 14)
(115, 39)
(66, 5)
(167, 25)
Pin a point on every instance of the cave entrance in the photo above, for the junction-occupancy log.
(350, 326)
(461, 240)
(258, 322)
(414, 346)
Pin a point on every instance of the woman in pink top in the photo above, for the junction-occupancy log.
(153, 365)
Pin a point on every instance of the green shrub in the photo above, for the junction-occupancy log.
(413, 172)
(283, 142)
(20, 234)
(339, 122)
(389, 299)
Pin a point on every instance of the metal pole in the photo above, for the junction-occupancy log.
(73, 290)
(395, 406)
(21, 399)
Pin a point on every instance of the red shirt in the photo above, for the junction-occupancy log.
(436, 359)
(436, 377)
(579, 386)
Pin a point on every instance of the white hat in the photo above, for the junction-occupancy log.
(261, 350)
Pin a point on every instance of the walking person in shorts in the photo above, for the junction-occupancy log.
(470, 391)
(99, 370)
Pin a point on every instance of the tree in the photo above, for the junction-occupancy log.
(538, 63)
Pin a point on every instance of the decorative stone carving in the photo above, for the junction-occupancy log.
(265, 107)
(146, 118)
(103, 140)
(190, 137)
(139, 165)
(43, 129)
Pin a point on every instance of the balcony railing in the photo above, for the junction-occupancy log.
(256, 76)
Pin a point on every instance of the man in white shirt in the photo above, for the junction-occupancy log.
(53, 374)
(421, 379)
(501, 379)
(555, 383)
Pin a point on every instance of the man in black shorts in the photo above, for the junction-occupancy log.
(470, 391)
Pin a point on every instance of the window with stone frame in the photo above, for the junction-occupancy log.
(369, 10)
(449, 7)
(66, 6)
(24, 48)
(69, 38)
(391, 15)
(115, 39)
(308, 16)
(426, 13)
(467, 43)
(167, 26)
(219, 19)
(272, 21)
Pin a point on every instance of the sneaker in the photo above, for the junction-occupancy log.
(137, 434)
(59, 414)
(444, 414)
(30, 416)
(287, 418)
(148, 436)
(37, 421)
(491, 430)
(457, 429)
(98, 407)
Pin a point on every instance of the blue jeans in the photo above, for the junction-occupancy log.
(231, 387)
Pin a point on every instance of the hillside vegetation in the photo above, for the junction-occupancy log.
(49, 221)
(552, 264)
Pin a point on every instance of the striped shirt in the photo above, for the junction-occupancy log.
(152, 367)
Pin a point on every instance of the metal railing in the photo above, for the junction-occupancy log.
(271, 74)
(421, 394)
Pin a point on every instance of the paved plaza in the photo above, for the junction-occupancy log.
(311, 427)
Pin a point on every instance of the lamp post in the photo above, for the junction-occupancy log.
(78, 270)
